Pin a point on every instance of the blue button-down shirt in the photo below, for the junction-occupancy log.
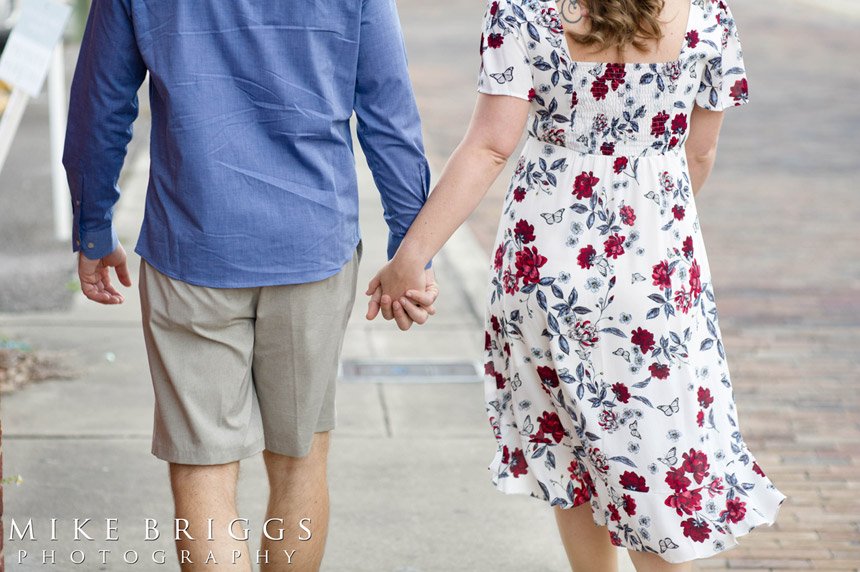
(252, 179)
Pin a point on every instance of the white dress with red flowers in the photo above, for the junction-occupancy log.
(606, 377)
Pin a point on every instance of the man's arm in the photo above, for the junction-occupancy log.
(389, 128)
(102, 108)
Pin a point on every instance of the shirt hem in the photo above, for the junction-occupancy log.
(279, 280)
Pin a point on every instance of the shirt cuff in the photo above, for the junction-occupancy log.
(394, 243)
(96, 244)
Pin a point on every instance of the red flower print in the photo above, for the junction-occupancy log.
(528, 263)
(608, 420)
(688, 247)
(633, 482)
(598, 460)
(740, 90)
(613, 513)
(619, 165)
(700, 418)
(555, 136)
(697, 530)
(488, 341)
(695, 283)
(585, 333)
(614, 245)
(500, 381)
(614, 538)
(757, 469)
(497, 327)
(495, 40)
(586, 256)
(519, 194)
(507, 348)
(550, 424)
(583, 185)
(621, 392)
(629, 505)
(628, 215)
(584, 487)
(518, 463)
(607, 148)
(659, 370)
(499, 258)
(692, 38)
(494, 7)
(735, 511)
(642, 338)
(489, 368)
(715, 488)
(677, 479)
(615, 74)
(678, 212)
(682, 300)
(511, 282)
(696, 462)
(685, 502)
(524, 231)
(549, 377)
(705, 398)
(574, 100)
(658, 124)
(599, 89)
(662, 274)
(673, 141)
(679, 123)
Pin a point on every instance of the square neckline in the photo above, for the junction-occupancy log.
(566, 47)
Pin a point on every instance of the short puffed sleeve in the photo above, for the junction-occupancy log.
(505, 63)
(724, 79)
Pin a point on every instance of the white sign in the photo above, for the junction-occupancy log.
(25, 61)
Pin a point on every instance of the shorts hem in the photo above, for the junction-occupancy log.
(294, 450)
(207, 457)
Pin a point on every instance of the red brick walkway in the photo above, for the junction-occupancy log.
(779, 217)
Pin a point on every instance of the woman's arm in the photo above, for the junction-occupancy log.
(493, 134)
(701, 145)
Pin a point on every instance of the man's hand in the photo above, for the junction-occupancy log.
(401, 296)
(95, 276)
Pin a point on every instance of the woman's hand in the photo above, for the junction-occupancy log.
(402, 292)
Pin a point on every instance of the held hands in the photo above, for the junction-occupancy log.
(95, 276)
(404, 294)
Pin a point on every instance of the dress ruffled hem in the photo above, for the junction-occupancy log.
(764, 512)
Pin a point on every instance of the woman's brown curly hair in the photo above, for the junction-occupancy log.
(621, 23)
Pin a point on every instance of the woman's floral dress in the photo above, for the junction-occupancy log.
(606, 377)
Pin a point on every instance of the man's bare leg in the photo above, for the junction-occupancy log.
(200, 493)
(298, 494)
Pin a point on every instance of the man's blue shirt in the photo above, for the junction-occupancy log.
(252, 179)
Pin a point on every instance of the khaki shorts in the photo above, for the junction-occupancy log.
(237, 369)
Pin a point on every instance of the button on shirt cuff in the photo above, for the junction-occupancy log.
(96, 244)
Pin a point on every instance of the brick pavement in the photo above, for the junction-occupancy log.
(779, 218)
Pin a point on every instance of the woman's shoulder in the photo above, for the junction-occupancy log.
(714, 13)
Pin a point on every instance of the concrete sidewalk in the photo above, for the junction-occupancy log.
(409, 485)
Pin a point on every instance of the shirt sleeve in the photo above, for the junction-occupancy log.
(389, 128)
(724, 79)
(505, 63)
(102, 107)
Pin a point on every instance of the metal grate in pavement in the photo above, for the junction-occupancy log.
(374, 371)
